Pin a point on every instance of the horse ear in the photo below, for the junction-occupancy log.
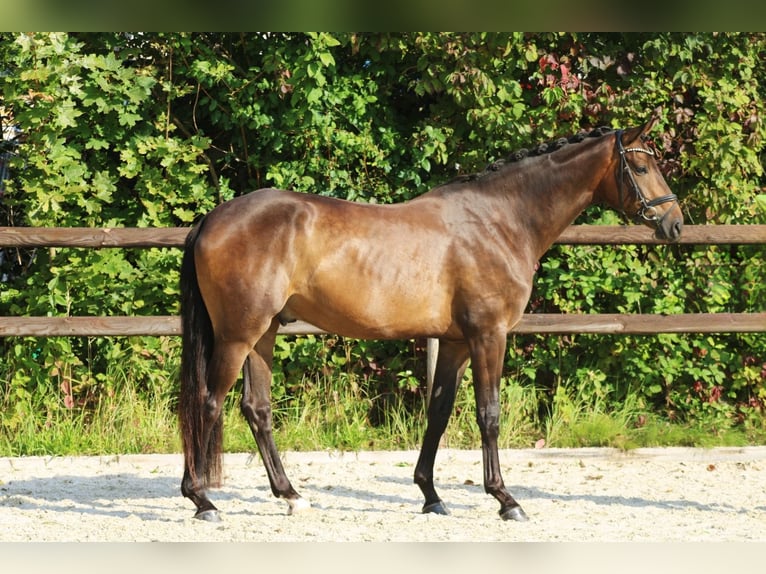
(633, 134)
(653, 121)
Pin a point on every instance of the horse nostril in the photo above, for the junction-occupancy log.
(669, 230)
(675, 230)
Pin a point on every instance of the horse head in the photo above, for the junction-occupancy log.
(639, 190)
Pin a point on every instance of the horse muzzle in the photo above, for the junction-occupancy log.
(669, 228)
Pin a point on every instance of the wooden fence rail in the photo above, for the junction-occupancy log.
(542, 323)
(530, 323)
(125, 237)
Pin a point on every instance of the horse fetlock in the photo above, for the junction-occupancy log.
(423, 481)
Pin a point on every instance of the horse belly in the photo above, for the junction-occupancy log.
(375, 299)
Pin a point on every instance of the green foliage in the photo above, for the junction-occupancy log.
(154, 129)
(56, 404)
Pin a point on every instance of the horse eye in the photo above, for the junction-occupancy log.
(641, 170)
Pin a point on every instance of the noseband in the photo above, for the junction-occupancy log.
(647, 211)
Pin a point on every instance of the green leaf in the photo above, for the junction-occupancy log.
(327, 59)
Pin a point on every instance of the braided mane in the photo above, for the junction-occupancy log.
(546, 148)
(540, 149)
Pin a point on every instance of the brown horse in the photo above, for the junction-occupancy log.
(456, 263)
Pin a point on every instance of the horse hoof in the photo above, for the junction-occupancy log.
(298, 505)
(436, 508)
(514, 513)
(208, 516)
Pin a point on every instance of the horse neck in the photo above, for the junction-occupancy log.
(547, 193)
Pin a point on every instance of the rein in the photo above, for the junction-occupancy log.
(647, 210)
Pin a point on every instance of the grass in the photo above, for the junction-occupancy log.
(336, 412)
(127, 422)
(579, 421)
(332, 414)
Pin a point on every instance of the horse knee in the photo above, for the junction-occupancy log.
(488, 421)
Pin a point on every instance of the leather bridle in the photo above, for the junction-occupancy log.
(647, 211)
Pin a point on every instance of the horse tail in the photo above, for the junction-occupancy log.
(197, 349)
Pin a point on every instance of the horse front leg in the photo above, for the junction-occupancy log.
(487, 358)
(450, 366)
(256, 407)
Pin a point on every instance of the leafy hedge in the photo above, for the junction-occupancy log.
(156, 129)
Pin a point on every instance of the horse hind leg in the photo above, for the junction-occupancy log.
(256, 408)
(224, 368)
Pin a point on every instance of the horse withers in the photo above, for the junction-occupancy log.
(456, 263)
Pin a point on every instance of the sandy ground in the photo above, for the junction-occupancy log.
(574, 495)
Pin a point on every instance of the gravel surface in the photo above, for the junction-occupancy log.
(604, 495)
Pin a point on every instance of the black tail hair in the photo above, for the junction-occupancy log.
(197, 349)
